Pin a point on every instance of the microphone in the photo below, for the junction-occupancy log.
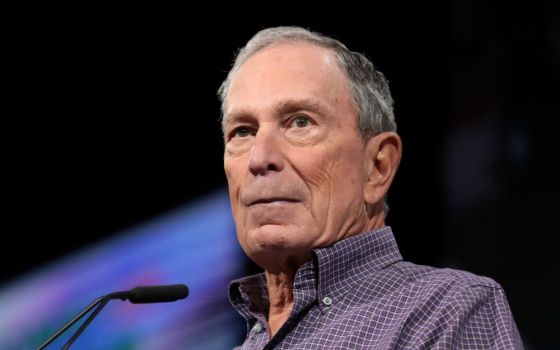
(158, 294)
(138, 295)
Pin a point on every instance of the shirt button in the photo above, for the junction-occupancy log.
(258, 328)
(327, 301)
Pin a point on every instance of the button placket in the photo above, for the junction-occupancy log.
(327, 301)
(257, 328)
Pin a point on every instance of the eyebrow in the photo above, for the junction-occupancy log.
(283, 107)
(294, 105)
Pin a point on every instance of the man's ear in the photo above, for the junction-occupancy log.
(384, 155)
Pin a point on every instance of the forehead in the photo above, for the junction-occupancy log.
(291, 71)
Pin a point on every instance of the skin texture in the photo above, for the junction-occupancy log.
(299, 174)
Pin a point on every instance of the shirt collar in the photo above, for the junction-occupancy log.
(347, 262)
(333, 271)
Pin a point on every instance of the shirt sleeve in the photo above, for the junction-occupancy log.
(478, 317)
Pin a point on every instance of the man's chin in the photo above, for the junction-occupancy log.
(275, 235)
(276, 242)
(272, 237)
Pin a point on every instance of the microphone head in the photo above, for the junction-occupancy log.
(158, 294)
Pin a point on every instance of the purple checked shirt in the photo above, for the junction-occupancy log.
(359, 294)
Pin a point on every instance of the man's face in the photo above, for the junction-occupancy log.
(294, 160)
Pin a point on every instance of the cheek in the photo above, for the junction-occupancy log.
(334, 172)
(337, 185)
(234, 168)
(351, 180)
(317, 171)
(234, 178)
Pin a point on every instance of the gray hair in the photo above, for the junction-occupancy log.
(369, 88)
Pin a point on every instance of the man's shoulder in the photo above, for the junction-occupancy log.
(405, 280)
(414, 304)
(428, 275)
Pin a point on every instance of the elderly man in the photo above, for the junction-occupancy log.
(310, 152)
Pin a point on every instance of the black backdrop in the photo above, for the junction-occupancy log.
(113, 119)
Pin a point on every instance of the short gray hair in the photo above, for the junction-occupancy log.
(368, 86)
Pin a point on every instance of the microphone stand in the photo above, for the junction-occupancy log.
(138, 295)
(100, 303)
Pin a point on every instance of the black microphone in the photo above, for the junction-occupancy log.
(138, 295)
(158, 294)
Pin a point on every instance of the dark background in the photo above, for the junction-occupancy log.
(113, 119)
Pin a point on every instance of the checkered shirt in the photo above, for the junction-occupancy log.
(359, 294)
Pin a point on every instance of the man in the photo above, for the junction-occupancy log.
(310, 152)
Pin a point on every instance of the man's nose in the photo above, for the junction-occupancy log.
(266, 153)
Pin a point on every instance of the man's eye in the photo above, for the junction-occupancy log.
(241, 131)
(300, 122)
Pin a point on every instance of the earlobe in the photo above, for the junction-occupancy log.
(384, 154)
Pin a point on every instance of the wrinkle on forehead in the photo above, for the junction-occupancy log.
(295, 58)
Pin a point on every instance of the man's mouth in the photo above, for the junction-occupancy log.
(272, 200)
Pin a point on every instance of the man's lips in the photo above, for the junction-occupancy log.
(272, 200)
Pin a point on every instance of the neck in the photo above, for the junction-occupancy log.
(280, 274)
(281, 297)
